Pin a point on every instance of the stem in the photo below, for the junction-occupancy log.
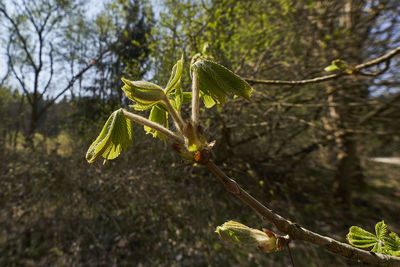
(155, 126)
(195, 99)
(180, 124)
(295, 231)
(290, 255)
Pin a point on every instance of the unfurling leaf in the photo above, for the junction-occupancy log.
(145, 94)
(176, 98)
(360, 238)
(393, 244)
(115, 136)
(187, 98)
(336, 64)
(217, 81)
(207, 100)
(380, 243)
(175, 79)
(159, 116)
(241, 234)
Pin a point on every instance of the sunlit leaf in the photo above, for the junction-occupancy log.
(393, 243)
(141, 107)
(176, 98)
(175, 78)
(145, 94)
(115, 136)
(217, 81)
(208, 100)
(187, 98)
(159, 116)
(336, 64)
(358, 237)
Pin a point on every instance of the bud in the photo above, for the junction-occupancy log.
(194, 138)
(241, 234)
(182, 151)
(143, 92)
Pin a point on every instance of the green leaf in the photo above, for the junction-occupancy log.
(336, 64)
(331, 68)
(393, 243)
(145, 94)
(176, 98)
(217, 81)
(360, 238)
(187, 98)
(380, 230)
(175, 78)
(115, 136)
(207, 100)
(141, 107)
(159, 116)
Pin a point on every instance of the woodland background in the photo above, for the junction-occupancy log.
(303, 149)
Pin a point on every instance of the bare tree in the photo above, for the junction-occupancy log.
(36, 34)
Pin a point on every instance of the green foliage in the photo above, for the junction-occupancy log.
(145, 94)
(337, 64)
(175, 78)
(379, 242)
(159, 116)
(217, 82)
(115, 136)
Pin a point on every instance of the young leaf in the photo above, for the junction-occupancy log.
(217, 81)
(176, 98)
(381, 231)
(360, 238)
(175, 78)
(241, 234)
(336, 64)
(159, 116)
(393, 243)
(145, 94)
(207, 100)
(187, 98)
(115, 136)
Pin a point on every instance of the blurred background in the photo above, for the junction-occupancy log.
(306, 150)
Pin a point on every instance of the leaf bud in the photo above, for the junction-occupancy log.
(241, 234)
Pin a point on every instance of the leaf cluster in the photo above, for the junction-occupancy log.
(381, 241)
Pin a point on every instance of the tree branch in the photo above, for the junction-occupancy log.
(155, 126)
(367, 64)
(71, 82)
(296, 232)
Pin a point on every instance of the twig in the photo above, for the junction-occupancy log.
(295, 231)
(195, 99)
(367, 64)
(175, 115)
(290, 255)
(155, 126)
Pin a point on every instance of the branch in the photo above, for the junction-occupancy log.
(20, 37)
(155, 126)
(51, 70)
(367, 64)
(195, 100)
(296, 232)
(71, 82)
